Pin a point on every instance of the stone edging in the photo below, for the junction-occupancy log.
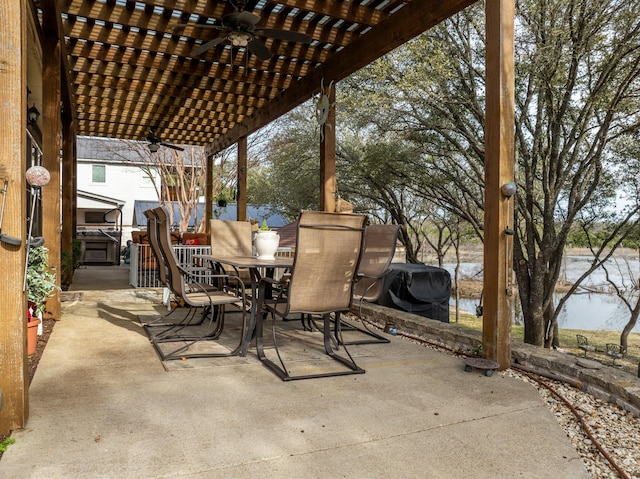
(606, 383)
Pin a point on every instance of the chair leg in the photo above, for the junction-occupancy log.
(214, 334)
(172, 332)
(281, 370)
(377, 338)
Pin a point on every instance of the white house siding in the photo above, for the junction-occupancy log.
(123, 182)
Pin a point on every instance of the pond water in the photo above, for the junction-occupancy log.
(593, 308)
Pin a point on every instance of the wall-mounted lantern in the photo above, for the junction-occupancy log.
(33, 114)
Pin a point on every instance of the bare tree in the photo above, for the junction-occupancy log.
(628, 294)
(178, 176)
(577, 95)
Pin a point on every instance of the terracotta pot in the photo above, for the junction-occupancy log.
(32, 335)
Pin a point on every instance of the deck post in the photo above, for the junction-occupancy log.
(241, 189)
(499, 169)
(13, 306)
(51, 145)
(328, 157)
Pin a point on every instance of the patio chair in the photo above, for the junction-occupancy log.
(614, 351)
(196, 296)
(161, 267)
(163, 273)
(328, 249)
(379, 249)
(583, 343)
(232, 238)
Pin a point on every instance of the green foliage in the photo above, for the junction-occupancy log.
(288, 178)
(264, 226)
(6, 443)
(41, 278)
(70, 262)
(76, 252)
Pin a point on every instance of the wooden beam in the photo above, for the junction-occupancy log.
(412, 20)
(53, 27)
(13, 306)
(241, 191)
(499, 169)
(51, 144)
(68, 200)
(328, 155)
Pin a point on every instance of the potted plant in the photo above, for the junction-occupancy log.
(266, 241)
(41, 284)
(222, 200)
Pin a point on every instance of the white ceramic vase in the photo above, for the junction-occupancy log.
(266, 243)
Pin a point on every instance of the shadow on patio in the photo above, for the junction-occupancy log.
(103, 405)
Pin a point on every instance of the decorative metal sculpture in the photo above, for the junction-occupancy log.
(323, 106)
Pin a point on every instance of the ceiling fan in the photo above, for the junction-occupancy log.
(155, 142)
(239, 29)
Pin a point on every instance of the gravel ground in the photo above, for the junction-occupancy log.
(617, 431)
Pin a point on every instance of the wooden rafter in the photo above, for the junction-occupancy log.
(131, 64)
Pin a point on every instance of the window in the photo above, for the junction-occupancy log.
(98, 174)
(146, 180)
(94, 217)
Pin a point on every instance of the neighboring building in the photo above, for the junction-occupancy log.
(113, 191)
(108, 186)
(229, 213)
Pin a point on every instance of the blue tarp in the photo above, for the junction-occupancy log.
(274, 220)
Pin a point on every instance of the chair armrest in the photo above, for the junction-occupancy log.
(280, 284)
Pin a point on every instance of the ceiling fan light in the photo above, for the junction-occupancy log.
(154, 147)
(239, 39)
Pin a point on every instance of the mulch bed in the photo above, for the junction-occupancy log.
(34, 359)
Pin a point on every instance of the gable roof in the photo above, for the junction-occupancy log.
(87, 199)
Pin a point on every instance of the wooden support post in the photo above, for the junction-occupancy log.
(13, 305)
(51, 144)
(68, 200)
(242, 180)
(328, 158)
(208, 195)
(499, 169)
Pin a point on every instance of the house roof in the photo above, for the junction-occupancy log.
(229, 213)
(87, 199)
(132, 65)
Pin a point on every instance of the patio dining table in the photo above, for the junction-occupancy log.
(253, 264)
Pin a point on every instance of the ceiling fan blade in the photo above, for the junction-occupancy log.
(283, 35)
(259, 49)
(247, 19)
(169, 145)
(199, 25)
(210, 44)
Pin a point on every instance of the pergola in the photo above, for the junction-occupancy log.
(116, 68)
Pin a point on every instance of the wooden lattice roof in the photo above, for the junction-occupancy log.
(132, 68)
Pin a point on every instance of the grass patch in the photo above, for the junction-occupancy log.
(569, 344)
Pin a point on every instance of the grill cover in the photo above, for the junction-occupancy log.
(417, 289)
(100, 246)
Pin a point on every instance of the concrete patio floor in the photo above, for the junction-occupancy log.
(103, 406)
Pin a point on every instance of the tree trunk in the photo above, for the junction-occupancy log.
(629, 326)
(551, 327)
